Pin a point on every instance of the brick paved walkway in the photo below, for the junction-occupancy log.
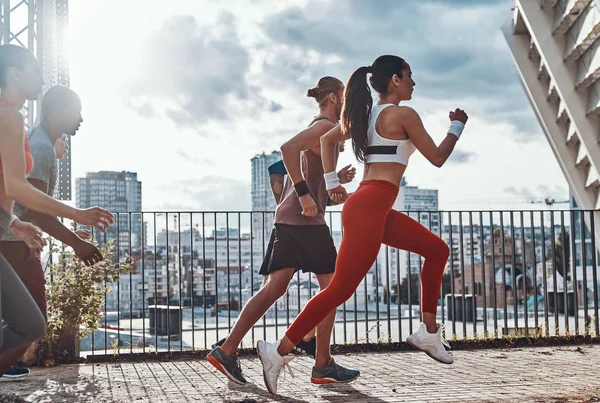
(515, 375)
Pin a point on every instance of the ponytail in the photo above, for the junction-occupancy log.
(356, 111)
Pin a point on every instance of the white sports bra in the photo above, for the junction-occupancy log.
(380, 149)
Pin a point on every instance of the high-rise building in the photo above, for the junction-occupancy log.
(263, 202)
(422, 205)
(118, 192)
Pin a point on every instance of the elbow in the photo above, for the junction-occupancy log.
(439, 160)
(325, 140)
(287, 148)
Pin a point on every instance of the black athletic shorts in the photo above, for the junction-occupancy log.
(309, 248)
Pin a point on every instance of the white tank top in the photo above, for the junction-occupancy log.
(380, 149)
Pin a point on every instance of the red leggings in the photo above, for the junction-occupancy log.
(369, 221)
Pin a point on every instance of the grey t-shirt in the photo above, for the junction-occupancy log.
(45, 169)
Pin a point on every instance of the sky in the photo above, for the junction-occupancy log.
(186, 92)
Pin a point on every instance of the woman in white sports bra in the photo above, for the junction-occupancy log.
(383, 137)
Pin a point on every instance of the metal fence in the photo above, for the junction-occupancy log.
(510, 273)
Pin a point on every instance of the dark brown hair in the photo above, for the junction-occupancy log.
(324, 87)
(358, 101)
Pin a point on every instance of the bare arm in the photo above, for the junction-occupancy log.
(276, 176)
(413, 125)
(329, 142)
(305, 140)
(13, 166)
(49, 223)
(276, 181)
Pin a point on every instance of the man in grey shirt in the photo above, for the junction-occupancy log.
(61, 114)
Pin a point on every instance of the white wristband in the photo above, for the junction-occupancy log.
(12, 220)
(456, 128)
(331, 180)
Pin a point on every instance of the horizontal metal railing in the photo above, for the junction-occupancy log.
(510, 273)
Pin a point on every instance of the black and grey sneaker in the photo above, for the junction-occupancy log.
(333, 373)
(219, 343)
(307, 347)
(16, 372)
(228, 365)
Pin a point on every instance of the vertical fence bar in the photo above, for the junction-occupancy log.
(367, 310)
(228, 273)
(49, 261)
(264, 237)
(584, 270)
(484, 285)
(420, 269)
(118, 284)
(474, 293)
(180, 276)
(376, 284)
(398, 295)
(493, 266)
(574, 271)
(192, 272)
(514, 272)
(440, 221)
(355, 307)
(168, 285)
(216, 303)
(564, 263)
(409, 289)
(462, 272)
(143, 248)
(130, 289)
(252, 266)
(524, 276)
(546, 322)
(594, 271)
(388, 295)
(554, 278)
(204, 299)
(503, 251)
(298, 290)
(240, 266)
(105, 308)
(155, 285)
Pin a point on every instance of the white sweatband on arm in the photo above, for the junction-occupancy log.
(331, 180)
(12, 220)
(456, 128)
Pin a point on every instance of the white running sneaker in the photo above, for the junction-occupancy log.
(272, 363)
(431, 343)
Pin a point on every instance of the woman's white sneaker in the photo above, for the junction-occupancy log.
(431, 343)
(272, 363)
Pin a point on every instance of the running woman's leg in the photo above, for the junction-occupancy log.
(403, 232)
(29, 269)
(24, 322)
